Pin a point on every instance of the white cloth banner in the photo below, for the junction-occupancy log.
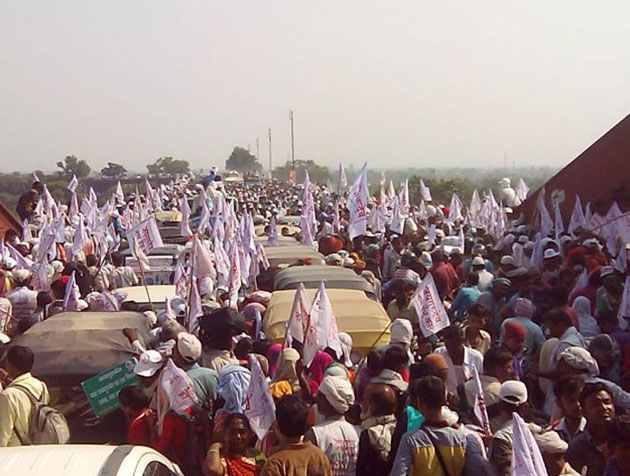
(298, 319)
(71, 296)
(74, 183)
(259, 406)
(343, 180)
(526, 457)
(146, 235)
(357, 204)
(577, 216)
(184, 226)
(480, 409)
(431, 313)
(425, 192)
(178, 388)
(322, 313)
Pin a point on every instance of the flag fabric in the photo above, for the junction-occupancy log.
(184, 225)
(259, 406)
(73, 209)
(119, 195)
(235, 274)
(577, 217)
(180, 280)
(431, 313)
(273, 232)
(462, 240)
(298, 319)
(521, 190)
(425, 192)
(322, 314)
(621, 260)
(73, 184)
(480, 409)
(546, 223)
(110, 303)
(431, 235)
(194, 308)
(357, 204)
(146, 235)
(397, 224)
(526, 457)
(202, 260)
(177, 389)
(558, 225)
(404, 195)
(40, 278)
(258, 333)
(71, 297)
(343, 180)
(455, 209)
(623, 314)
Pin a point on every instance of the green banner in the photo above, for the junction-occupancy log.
(102, 389)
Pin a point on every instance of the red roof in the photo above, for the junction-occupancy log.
(600, 174)
(8, 221)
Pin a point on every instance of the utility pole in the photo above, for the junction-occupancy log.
(270, 163)
(292, 145)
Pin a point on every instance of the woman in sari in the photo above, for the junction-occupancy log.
(235, 454)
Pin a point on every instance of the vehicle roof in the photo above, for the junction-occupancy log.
(157, 292)
(278, 255)
(167, 249)
(72, 346)
(72, 460)
(54, 460)
(334, 276)
(356, 314)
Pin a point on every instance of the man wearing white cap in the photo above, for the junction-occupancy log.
(485, 277)
(186, 353)
(513, 396)
(552, 449)
(337, 438)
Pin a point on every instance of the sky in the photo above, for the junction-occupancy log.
(394, 83)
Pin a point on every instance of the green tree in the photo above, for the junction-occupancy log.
(242, 160)
(113, 170)
(317, 173)
(168, 166)
(71, 165)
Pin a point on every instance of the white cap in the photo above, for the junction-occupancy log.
(478, 261)
(188, 346)
(606, 271)
(21, 275)
(550, 254)
(149, 363)
(401, 332)
(592, 243)
(513, 392)
(508, 259)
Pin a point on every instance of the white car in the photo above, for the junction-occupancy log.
(85, 460)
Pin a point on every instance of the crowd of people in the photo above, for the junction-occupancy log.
(536, 331)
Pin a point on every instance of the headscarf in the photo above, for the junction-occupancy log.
(514, 329)
(272, 356)
(345, 342)
(319, 364)
(280, 389)
(524, 308)
(337, 370)
(338, 392)
(233, 385)
(285, 368)
(588, 324)
(602, 348)
(580, 359)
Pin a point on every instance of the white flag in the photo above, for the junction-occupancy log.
(146, 235)
(202, 260)
(71, 297)
(180, 280)
(480, 409)
(343, 180)
(235, 274)
(425, 193)
(521, 190)
(623, 315)
(398, 219)
(178, 389)
(577, 217)
(462, 240)
(27, 236)
(357, 204)
(559, 226)
(74, 183)
(259, 406)
(526, 457)
(184, 226)
(40, 278)
(73, 209)
(431, 313)
(404, 195)
(431, 235)
(322, 313)
(120, 196)
(34, 178)
(546, 223)
(298, 319)
(455, 209)
(621, 260)
(194, 308)
(273, 232)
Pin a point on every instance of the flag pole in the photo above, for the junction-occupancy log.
(144, 283)
(372, 347)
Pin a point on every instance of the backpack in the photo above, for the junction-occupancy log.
(46, 426)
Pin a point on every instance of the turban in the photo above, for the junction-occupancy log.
(338, 392)
(550, 442)
(514, 329)
(580, 359)
(523, 308)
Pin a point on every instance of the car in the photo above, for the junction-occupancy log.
(157, 292)
(86, 460)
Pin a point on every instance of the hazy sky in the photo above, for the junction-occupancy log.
(393, 83)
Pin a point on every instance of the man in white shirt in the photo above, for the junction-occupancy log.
(23, 300)
(460, 359)
(122, 276)
(391, 257)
